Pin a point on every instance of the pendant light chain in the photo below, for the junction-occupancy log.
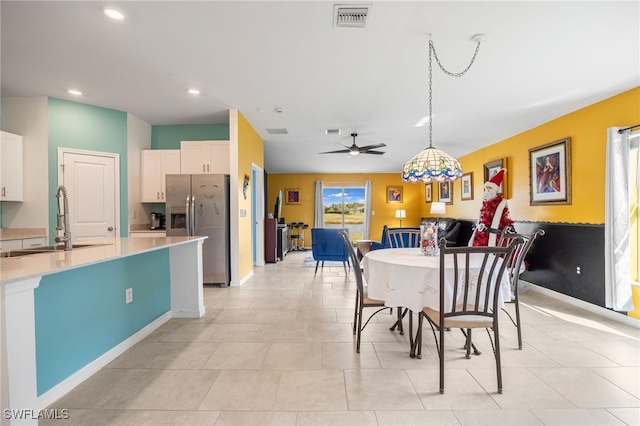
(432, 50)
(449, 73)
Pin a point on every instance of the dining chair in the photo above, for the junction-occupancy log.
(362, 295)
(467, 300)
(402, 238)
(516, 266)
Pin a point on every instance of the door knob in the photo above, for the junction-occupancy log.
(110, 228)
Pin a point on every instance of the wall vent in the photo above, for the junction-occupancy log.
(278, 131)
(350, 16)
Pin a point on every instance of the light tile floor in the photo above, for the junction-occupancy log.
(279, 351)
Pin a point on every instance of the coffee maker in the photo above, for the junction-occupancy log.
(157, 221)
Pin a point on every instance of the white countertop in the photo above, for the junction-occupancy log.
(17, 268)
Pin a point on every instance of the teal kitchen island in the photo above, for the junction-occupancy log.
(66, 314)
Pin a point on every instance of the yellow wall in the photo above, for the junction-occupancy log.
(587, 128)
(250, 150)
(384, 213)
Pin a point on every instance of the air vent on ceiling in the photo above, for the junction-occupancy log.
(332, 131)
(350, 16)
(278, 131)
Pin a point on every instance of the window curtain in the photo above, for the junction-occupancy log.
(319, 213)
(616, 222)
(367, 210)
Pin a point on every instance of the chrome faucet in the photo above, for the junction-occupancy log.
(63, 219)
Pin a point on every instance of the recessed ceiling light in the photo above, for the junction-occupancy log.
(75, 92)
(193, 91)
(114, 14)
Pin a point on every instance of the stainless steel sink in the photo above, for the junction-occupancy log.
(42, 249)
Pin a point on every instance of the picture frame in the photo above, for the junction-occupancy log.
(550, 173)
(428, 192)
(292, 196)
(493, 167)
(394, 194)
(445, 192)
(466, 186)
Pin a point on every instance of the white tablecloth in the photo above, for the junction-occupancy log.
(403, 277)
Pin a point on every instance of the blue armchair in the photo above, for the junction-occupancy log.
(327, 244)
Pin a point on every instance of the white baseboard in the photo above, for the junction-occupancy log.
(64, 387)
(608, 313)
(245, 278)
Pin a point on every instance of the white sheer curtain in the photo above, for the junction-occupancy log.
(616, 222)
(367, 210)
(319, 213)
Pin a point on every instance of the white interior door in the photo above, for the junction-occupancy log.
(92, 183)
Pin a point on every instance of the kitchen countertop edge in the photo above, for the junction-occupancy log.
(37, 265)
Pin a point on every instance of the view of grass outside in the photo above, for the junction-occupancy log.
(344, 208)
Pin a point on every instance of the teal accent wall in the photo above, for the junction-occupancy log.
(169, 137)
(81, 314)
(79, 126)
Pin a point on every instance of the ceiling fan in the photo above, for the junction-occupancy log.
(355, 149)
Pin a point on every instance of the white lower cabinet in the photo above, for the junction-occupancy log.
(22, 244)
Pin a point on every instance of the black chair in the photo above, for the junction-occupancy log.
(474, 302)
(516, 266)
(362, 296)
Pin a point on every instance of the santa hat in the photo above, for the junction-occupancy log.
(496, 180)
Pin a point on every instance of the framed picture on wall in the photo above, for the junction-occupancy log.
(394, 194)
(445, 192)
(466, 185)
(550, 173)
(493, 167)
(292, 196)
(428, 196)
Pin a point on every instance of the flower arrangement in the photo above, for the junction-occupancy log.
(429, 240)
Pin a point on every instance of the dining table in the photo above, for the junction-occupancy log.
(406, 278)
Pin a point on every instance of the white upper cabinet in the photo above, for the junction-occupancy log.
(208, 157)
(156, 164)
(11, 169)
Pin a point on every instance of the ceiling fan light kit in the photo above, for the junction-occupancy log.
(432, 164)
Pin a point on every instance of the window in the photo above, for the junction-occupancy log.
(344, 207)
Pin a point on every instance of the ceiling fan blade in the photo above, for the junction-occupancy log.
(340, 151)
(372, 152)
(374, 146)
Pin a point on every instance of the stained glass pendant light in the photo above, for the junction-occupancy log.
(432, 164)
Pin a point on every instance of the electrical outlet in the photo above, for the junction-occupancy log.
(128, 295)
(134, 214)
(579, 270)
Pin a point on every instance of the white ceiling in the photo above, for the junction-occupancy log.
(541, 60)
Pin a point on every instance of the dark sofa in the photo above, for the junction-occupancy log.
(448, 228)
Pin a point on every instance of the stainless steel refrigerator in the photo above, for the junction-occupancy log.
(199, 205)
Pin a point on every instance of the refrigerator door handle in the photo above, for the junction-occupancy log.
(188, 214)
(193, 215)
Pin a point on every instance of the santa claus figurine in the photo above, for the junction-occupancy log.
(494, 214)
